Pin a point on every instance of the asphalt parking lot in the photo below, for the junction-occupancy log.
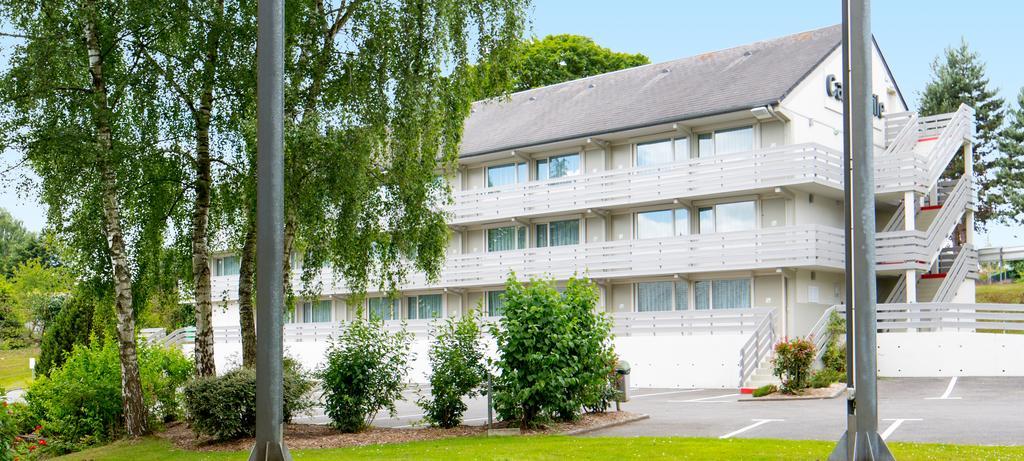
(967, 410)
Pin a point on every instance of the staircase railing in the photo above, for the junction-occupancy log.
(757, 348)
(956, 274)
(899, 292)
(819, 332)
(905, 127)
(910, 249)
(951, 130)
(179, 337)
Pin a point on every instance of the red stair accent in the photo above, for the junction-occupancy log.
(932, 138)
(931, 207)
(933, 276)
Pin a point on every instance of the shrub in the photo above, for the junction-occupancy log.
(364, 373)
(834, 357)
(792, 363)
(79, 404)
(825, 378)
(71, 326)
(456, 363)
(224, 407)
(13, 335)
(765, 390)
(555, 352)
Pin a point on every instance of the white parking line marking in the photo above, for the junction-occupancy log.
(706, 399)
(895, 425)
(664, 393)
(758, 422)
(949, 390)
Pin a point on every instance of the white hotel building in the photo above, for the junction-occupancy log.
(702, 195)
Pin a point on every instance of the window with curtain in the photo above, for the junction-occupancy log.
(705, 145)
(737, 216)
(289, 316)
(227, 265)
(509, 173)
(542, 235)
(564, 232)
(654, 153)
(654, 296)
(316, 312)
(662, 223)
(702, 295)
(506, 238)
(495, 303)
(383, 308)
(424, 307)
(558, 166)
(730, 294)
(682, 295)
(682, 148)
(734, 140)
(706, 220)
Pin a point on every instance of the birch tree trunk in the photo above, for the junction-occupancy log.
(131, 384)
(205, 365)
(246, 280)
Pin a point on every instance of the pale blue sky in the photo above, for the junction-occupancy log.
(910, 32)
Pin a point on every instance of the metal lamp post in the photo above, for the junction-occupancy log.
(861, 440)
(270, 234)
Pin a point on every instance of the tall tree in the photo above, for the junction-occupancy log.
(82, 114)
(1009, 177)
(958, 77)
(560, 58)
(16, 242)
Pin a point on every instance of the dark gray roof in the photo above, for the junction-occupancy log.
(722, 81)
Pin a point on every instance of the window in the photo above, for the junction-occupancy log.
(662, 223)
(383, 308)
(728, 217)
(662, 151)
(319, 311)
(662, 296)
(722, 294)
(289, 316)
(495, 303)
(558, 166)
(509, 173)
(558, 233)
(506, 238)
(723, 142)
(227, 265)
(424, 307)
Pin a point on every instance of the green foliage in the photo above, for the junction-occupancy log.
(765, 390)
(457, 369)
(958, 77)
(792, 364)
(224, 407)
(1010, 169)
(560, 58)
(17, 244)
(364, 373)
(825, 378)
(79, 404)
(834, 357)
(13, 334)
(71, 326)
(555, 352)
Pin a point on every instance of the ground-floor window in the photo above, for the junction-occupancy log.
(424, 307)
(495, 303)
(722, 294)
(662, 296)
(383, 308)
(315, 312)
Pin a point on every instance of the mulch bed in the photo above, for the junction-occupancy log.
(299, 436)
(830, 392)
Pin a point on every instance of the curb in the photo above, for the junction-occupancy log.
(608, 425)
(838, 391)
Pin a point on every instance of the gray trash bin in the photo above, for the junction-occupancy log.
(622, 379)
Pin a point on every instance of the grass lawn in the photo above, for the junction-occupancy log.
(1003, 293)
(14, 370)
(560, 448)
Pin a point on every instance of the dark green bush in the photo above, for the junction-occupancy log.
(224, 407)
(765, 390)
(457, 369)
(825, 378)
(555, 352)
(79, 404)
(364, 373)
(792, 364)
(71, 326)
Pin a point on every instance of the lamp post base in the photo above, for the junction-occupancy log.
(270, 451)
(868, 446)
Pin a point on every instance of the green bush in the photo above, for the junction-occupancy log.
(825, 378)
(555, 352)
(71, 326)
(765, 390)
(224, 407)
(79, 404)
(834, 356)
(792, 364)
(364, 373)
(457, 369)
(13, 335)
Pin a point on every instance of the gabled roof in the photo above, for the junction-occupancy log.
(723, 81)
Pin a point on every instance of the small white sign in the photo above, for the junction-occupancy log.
(32, 363)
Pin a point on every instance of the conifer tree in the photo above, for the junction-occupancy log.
(1009, 176)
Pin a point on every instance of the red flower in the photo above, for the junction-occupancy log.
(42, 441)
(38, 428)
(31, 447)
